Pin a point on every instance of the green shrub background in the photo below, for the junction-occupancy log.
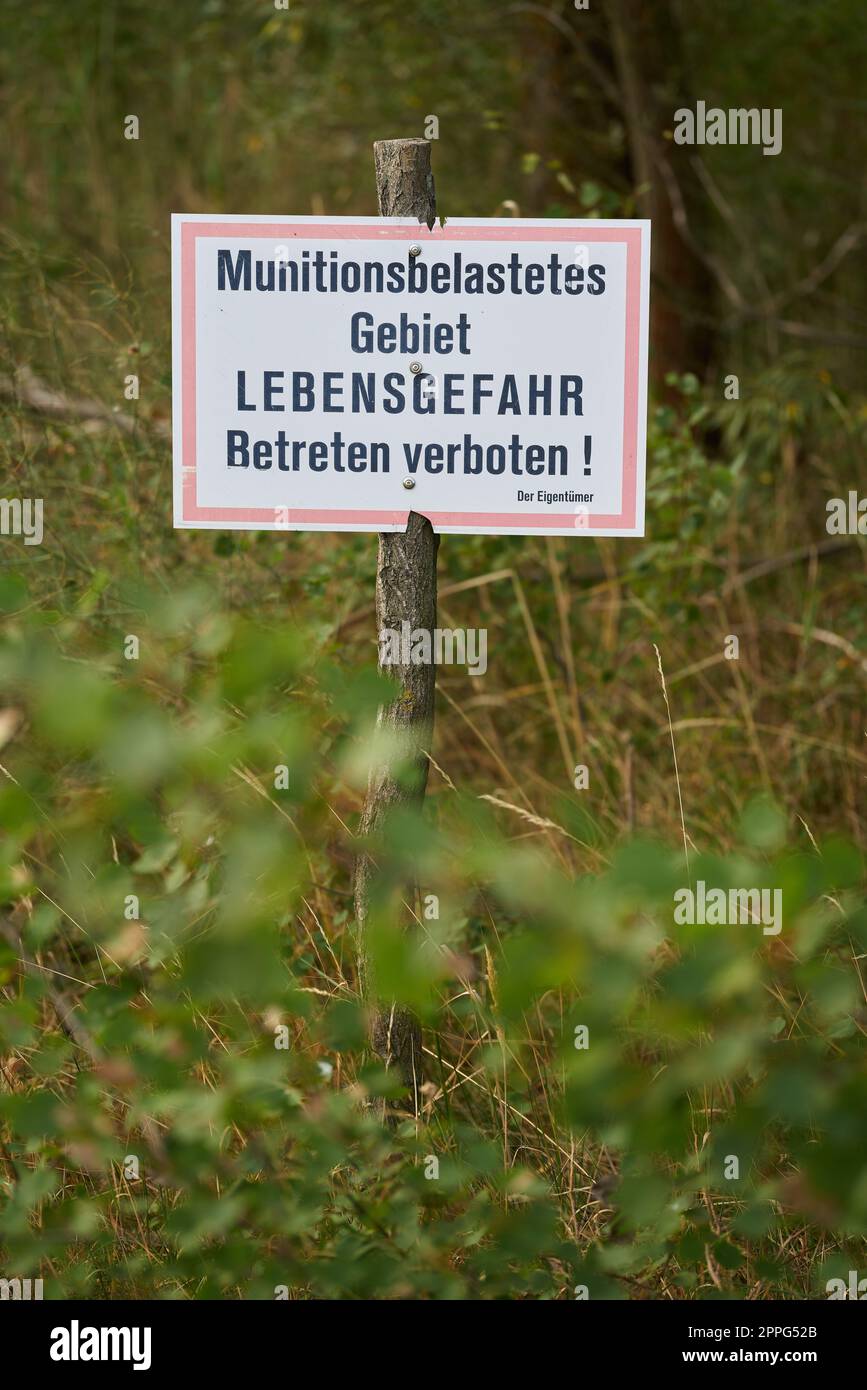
(263, 1168)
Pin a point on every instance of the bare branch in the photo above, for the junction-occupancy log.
(599, 74)
(25, 387)
(681, 222)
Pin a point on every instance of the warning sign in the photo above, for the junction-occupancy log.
(336, 374)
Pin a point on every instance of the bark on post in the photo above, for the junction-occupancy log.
(406, 591)
(404, 182)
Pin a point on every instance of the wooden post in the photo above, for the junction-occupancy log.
(406, 592)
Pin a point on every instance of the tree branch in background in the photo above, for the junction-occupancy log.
(28, 390)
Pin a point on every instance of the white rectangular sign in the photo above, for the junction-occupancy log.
(337, 373)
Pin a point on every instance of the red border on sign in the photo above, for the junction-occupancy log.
(277, 231)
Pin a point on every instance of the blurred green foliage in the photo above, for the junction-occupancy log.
(156, 1035)
(150, 1032)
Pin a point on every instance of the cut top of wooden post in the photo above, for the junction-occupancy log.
(404, 181)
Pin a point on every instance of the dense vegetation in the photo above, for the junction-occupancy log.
(183, 1068)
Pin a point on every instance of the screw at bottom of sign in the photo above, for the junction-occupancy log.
(408, 482)
(415, 368)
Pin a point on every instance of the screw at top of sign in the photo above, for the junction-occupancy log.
(409, 482)
(415, 250)
(415, 368)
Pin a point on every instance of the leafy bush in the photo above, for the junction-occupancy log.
(170, 920)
